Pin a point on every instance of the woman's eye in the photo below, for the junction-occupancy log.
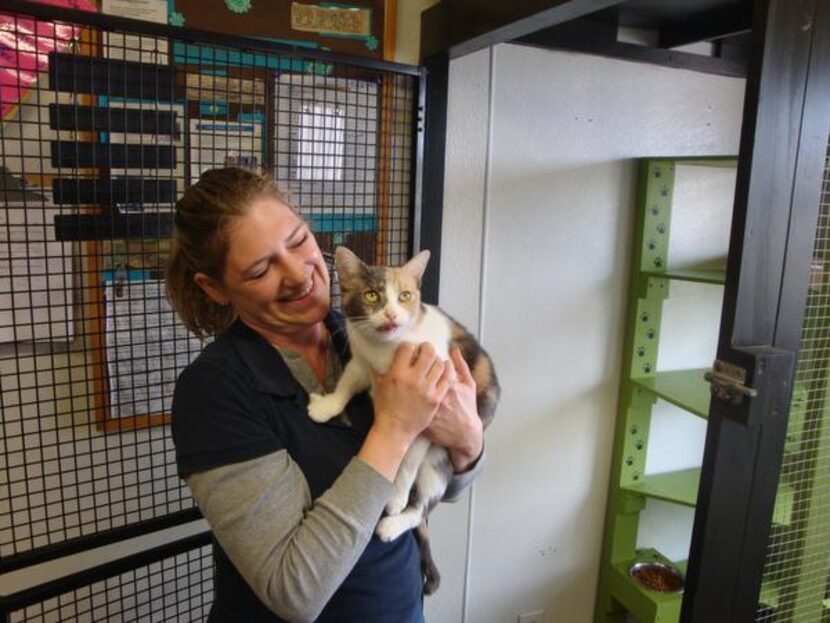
(405, 296)
(371, 296)
(301, 241)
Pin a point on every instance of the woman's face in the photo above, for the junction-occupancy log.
(275, 277)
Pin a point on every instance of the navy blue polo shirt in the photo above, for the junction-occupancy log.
(256, 408)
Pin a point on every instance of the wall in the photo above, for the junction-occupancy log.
(545, 182)
(408, 30)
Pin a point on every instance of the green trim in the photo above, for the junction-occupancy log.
(334, 224)
(656, 214)
(133, 274)
(190, 53)
(239, 7)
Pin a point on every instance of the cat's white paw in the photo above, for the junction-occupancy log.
(390, 528)
(322, 408)
(397, 503)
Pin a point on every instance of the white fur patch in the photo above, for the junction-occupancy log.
(390, 528)
(322, 408)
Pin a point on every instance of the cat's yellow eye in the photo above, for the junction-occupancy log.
(371, 297)
(405, 296)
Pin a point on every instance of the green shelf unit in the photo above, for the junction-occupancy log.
(642, 384)
(686, 389)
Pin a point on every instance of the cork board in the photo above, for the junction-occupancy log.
(360, 25)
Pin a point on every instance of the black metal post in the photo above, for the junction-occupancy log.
(427, 226)
(776, 205)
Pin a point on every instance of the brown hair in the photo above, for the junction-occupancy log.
(200, 242)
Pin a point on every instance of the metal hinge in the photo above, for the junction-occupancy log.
(728, 382)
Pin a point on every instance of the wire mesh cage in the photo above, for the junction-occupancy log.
(103, 129)
(796, 585)
(177, 586)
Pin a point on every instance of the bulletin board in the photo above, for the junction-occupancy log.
(347, 27)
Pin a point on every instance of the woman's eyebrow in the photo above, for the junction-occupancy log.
(253, 264)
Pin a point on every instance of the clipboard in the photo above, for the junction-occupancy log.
(144, 349)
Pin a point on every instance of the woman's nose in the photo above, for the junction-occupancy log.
(295, 271)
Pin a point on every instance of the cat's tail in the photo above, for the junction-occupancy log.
(432, 579)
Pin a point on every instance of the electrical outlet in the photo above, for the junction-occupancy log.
(531, 617)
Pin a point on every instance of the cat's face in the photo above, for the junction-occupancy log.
(381, 302)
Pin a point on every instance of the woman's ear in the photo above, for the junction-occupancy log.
(212, 288)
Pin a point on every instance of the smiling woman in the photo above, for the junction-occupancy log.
(293, 504)
(201, 242)
(277, 281)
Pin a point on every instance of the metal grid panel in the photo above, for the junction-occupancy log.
(178, 588)
(103, 132)
(796, 583)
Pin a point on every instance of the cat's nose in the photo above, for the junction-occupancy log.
(390, 314)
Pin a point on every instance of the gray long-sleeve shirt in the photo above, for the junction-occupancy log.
(293, 551)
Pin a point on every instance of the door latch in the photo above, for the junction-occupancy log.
(728, 382)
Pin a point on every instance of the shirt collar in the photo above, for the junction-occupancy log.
(270, 373)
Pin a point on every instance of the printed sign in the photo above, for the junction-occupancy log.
(352, 21)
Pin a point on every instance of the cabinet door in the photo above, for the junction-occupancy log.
(776, 268)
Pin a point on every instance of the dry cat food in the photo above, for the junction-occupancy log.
(657, 576)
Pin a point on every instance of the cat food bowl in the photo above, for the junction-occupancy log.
(657, 576)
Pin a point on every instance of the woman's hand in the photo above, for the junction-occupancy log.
(457, 426)
(406, 399)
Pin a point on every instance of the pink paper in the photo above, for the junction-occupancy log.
(25, 44)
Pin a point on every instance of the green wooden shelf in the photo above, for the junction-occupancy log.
(770, 595)
(728, 162)
(698, 275)
(644, 604)
(679, 487)
(686, 389)
(782, 514)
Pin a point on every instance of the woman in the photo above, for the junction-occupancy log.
(293, 504)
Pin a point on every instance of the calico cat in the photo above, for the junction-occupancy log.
(382, 307)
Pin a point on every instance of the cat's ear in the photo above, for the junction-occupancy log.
(417, 265)
(349, 266)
